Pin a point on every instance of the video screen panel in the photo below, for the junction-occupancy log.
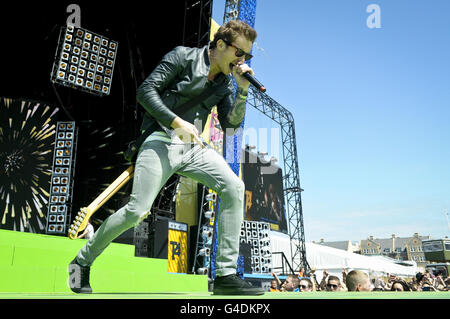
(264, 200)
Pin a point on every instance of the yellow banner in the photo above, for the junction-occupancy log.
(177, 251)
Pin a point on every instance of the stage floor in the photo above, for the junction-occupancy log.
(206, 295)
(34, 267)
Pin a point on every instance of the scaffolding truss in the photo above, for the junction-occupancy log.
(245, 10)
(291, 179)
(197, 35)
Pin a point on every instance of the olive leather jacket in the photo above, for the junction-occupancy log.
(180, 76)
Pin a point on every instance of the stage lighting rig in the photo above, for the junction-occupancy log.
(60, 198)
(205, 232)
(84, 60)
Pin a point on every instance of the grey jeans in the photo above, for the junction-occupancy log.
(157, 161)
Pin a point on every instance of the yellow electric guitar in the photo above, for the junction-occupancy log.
(81, 220)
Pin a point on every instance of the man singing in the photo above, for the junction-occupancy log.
(176, 147)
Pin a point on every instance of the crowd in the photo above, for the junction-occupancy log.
(357, 280)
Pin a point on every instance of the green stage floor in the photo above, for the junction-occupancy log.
(34, 266)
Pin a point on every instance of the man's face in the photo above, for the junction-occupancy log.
(333, 285)
(227, 55)
(304, 286)
(289, 284)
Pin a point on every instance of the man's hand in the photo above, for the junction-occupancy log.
(238, 70)
(186, 131)
(276, 278)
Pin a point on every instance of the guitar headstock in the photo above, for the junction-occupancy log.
(80, 222)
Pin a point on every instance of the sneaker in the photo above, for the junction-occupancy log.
(234, 285)
(79, 278)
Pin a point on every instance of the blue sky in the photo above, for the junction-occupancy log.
(371, 109)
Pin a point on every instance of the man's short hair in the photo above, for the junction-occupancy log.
(310, 284)
(229, 31)
(355, 278)
(331, 277)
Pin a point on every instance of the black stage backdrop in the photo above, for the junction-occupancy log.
(145, 31)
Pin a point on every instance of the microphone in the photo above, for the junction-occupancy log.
(254, 81)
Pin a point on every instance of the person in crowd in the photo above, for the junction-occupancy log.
(334, 284)
(323, 282)
(277, 280)
(447, 284)
(428, 276)
(413, 284)
(428, 282)
(378, 284)
(392, 278)
(301, 273)
(427, 286)
(344, 276)
(290, 284)
(305, 285)
(274, 286)
(400, 285)
(312, 275)
(357, 280)
(331, 283)
(439, 283)
(419, 281)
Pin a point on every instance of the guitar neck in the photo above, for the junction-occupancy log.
(81, 220)
(111, 190)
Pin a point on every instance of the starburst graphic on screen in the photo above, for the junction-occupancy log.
(27, 131)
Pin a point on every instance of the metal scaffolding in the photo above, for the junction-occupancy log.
(291, 179)
(197, 10)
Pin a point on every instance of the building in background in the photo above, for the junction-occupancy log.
(399, 248)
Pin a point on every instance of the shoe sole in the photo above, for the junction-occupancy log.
(238, 293)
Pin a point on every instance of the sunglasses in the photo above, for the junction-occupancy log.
(239, 52)
(332, 286)
(304, 287)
